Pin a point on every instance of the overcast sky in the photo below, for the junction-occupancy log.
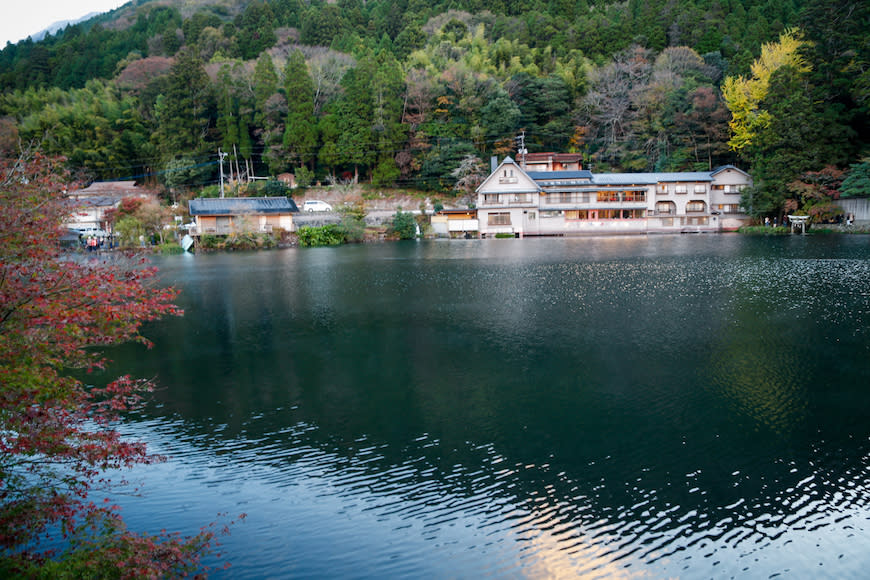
(21, 18)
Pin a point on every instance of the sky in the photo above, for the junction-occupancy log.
(21, 18)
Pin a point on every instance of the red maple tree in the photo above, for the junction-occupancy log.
(57, 434)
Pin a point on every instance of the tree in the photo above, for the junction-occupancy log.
(470, 173)
(857, 181)
(744, 95)
(58, 433)
(184, 110)
(796, 139)
(404, 225)
(300, 132)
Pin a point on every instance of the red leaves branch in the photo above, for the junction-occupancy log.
(56, 434)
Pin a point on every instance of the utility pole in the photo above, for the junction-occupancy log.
(221, 157)
(521, 148)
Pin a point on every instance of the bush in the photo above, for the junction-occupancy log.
(503, 235)
(170, 248)
(210, 242)
(353, 222)
(328, 235)
(764, 230)
(304, 177)
(210, 191)
(404, 225)
(275, 188)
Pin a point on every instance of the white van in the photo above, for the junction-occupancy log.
(316, 205)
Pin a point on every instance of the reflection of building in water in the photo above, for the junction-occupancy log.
(528, 201)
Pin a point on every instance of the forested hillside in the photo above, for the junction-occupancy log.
(420, 94)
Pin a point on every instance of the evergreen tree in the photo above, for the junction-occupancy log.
(300, 132)
(184, 111)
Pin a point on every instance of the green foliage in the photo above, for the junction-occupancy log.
(420, 86)
(857, 181)
(304, 177)
(764, 230)
(238, 241)
(210, 241)
(404, 225)
(170, 248)
(275, 188)
(328, 235)
(300, 134)
(128, 230)
(184, 110)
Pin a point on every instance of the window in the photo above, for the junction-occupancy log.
(666, 208)
(700, 188)
(491, 198)
(507, 176)
(728, 188)
(681, 189)
(499, 219)
(695, 207)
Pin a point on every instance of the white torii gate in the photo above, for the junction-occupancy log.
(800, 220)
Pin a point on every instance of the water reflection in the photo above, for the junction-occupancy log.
(687, 406)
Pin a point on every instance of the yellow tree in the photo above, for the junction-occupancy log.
(744, 95)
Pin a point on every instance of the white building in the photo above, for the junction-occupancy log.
(512, 201)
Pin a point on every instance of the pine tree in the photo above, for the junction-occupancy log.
(300, 132)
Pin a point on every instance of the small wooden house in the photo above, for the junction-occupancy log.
(227, 215)
(455, 223)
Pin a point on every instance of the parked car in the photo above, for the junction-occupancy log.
(316, 205)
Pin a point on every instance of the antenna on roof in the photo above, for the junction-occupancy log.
(521, 148)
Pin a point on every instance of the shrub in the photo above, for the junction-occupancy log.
(404, 225)
(275, 188)
(328, 235)
(170, 248)
(210, 242)
(764, 230)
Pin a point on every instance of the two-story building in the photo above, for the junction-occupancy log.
(568, 202)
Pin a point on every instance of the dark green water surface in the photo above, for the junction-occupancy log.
(674, 406)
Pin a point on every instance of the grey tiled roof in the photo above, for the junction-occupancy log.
(241, 205)
(649, 178)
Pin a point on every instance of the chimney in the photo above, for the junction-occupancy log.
(493, 164)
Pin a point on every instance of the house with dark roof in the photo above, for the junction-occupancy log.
(575, 202)
(89, 206)
(227, 215)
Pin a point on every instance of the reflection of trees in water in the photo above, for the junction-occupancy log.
(614, 407)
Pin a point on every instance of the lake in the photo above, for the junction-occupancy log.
(665, 406)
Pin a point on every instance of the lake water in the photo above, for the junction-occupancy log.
(671, 406)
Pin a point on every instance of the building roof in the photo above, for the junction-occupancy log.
(241, 206)
(93, 201)
(113, 188)
(545, 156)
(649, 178)
(726, 167)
